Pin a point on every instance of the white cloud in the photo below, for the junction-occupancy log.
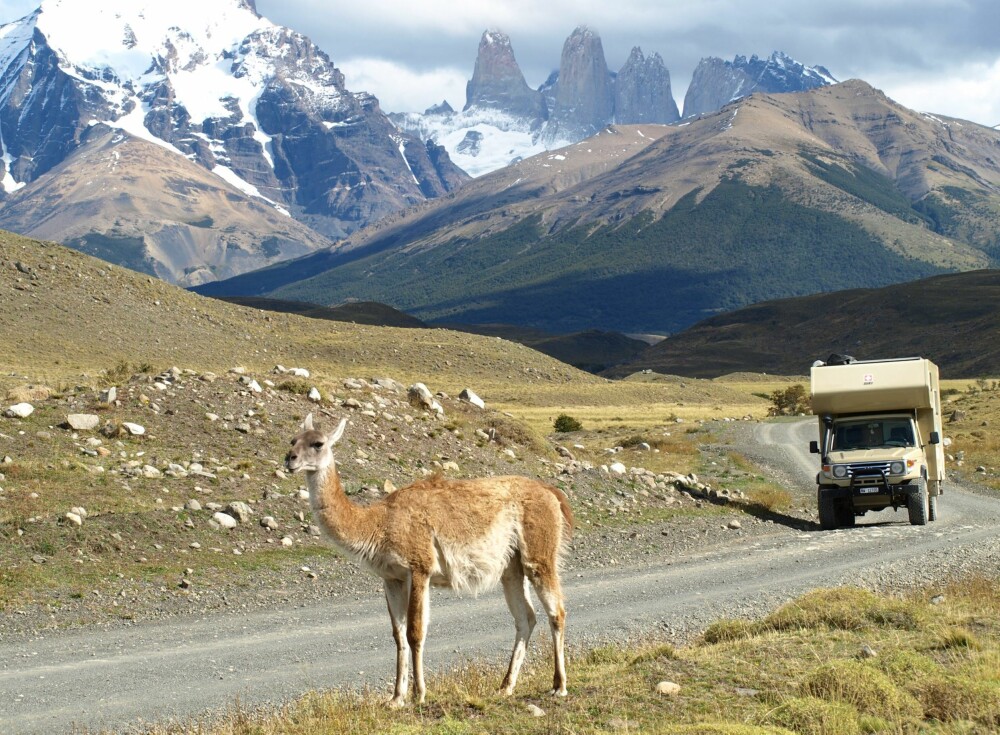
(969, 92)
(401, 89)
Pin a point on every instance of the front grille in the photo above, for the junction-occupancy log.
(868, 473)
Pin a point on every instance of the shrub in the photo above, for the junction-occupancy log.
(843, 608)
(812, 716)
(723, 631)
(565, 423)
(790, 401)
(865, 688)
(960, 698)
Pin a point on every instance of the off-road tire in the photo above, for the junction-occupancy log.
(827, 511)
(932, 508)
(844, 510)
(918, 504)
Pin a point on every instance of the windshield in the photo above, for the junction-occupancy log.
(873, 434)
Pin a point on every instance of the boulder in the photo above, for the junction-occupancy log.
(420, 397)
(225, 520)
(83, 421)
(19, 411)
(469, 397)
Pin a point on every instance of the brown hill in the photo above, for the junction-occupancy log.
(135, 203)
(653, 228)
(951, 319)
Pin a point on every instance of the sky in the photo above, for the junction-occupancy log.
(938, 56)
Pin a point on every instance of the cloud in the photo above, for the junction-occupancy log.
(401, 89)
(969, 92)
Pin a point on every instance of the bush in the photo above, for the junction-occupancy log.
(865, 688)
(950, 698)
(812, 716)
(790, 401)
(565, 423)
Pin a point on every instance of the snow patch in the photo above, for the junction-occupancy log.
(231, 177)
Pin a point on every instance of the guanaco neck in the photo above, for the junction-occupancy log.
(352, 527)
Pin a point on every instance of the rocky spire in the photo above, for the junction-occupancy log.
(497, 82)
(716, 82)
(584, 98)
(642, 91)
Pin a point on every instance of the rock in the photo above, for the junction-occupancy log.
(74, 518)
(564, 452)
(212, 416)
(299, 372)
(388, 487)
(535, 711)
(314, 395)
(151, 473)
(287, 541)
(389, 384)
(667, 688)
(937, 599)
(255, 386)
(83, 421)
(469, 397)
(225, 520)
(957, 416)
(240, 511)
(192, 504)
(735, 525)
(450, 466)
(243, 428)
(134, 429)
(867, 652)
(420, 397)
(617, 468)
(110, 395)
(269, 523)
(19, 411)
(29, 393)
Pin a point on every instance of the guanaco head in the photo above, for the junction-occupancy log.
(312, 450)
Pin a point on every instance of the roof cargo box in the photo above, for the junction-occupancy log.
(874, 385)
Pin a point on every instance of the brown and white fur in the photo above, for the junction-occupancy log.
(463, 534)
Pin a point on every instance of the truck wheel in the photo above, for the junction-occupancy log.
(932, 508)
(827, 511)
(845, 513)
(918, 504)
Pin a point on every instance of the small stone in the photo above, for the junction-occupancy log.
(450, 466)
(269, 523)
(242, 428)
(535, 711)
(134, 429)
(937, 599)
(667, 688)
(212, 416)
(192, 504)
(287, 541)
(314, 395)
(867, 652)
(75, 519)
(735, 525)
(255, 387)
(388, 487)
(617, 468)
(151, 473)
(110, 395)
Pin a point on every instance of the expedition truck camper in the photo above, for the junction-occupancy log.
(879, 438)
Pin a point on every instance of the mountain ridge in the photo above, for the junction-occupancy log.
(657, 227)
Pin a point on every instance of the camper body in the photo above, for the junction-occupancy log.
(879, 439)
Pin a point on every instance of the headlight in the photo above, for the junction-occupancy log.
(840, 471)
(897, 468)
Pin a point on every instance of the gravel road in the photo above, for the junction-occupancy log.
(121, 678)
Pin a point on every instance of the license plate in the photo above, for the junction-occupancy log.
(865, 490)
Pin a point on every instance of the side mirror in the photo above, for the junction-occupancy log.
(814, 447)
(935, 438)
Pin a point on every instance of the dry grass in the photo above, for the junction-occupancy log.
(806, 679)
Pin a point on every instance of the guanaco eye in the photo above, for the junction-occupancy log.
(317, 445)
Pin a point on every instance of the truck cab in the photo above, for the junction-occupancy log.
(879, 439)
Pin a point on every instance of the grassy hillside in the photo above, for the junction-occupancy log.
(643, 230)
(951, 319)
(738, 245)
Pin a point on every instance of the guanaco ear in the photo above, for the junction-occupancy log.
(308, 423)
(335, 437)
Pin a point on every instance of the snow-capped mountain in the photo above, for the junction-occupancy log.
(505, 121)
(214, 83)
(716, 82)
